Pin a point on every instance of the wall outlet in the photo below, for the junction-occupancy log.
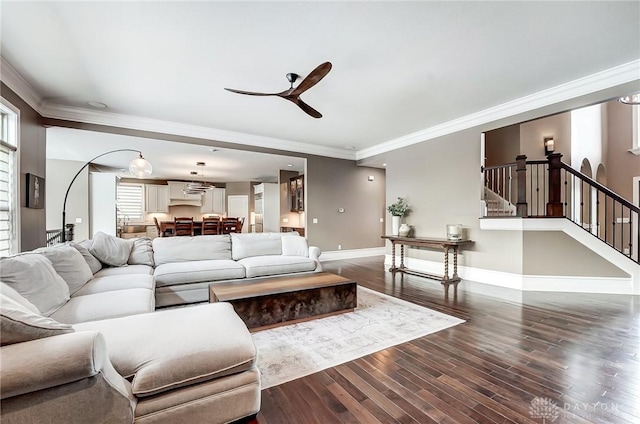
(381, 219)
(315, 220)
(339, 247)
(78, 220)
(285, 220)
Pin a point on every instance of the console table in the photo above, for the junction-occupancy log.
(433, 243)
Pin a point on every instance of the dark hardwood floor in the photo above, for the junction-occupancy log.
(546, 357)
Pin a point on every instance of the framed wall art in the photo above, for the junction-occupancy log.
(35, 191)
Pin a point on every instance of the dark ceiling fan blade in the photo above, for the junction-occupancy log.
(251, 93)
(312, 79)
(308, 109)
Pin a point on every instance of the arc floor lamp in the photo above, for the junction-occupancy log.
(138, 167)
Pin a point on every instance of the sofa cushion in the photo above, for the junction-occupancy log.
(20, 324)
(94, 264)
(196, 271)
(33, 276)
(276, 265)
(184, 249)
(112, 304)
(124, 270)
(294, 245)
(69, 264)
(110, 250)
(194, 344)
(6, 290)
(141, 252)
(255, 244)
(116, 282)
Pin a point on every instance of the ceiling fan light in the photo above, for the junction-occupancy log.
(632, 99)
(140, 167)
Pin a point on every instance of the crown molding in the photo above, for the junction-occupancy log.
(111, 119)
(612, 77)
(19, 85)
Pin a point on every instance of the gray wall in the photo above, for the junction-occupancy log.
(532, 134)
(442, 182)
(621, 166)
(502, 145)
(32, 157)
(556, 253)
(336, 183)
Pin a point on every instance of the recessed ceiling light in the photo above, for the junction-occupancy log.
(213, 150)
(97, 105)
(384, 164)
(289, 164)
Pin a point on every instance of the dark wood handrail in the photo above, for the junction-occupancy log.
(506, 165)
(601, 188)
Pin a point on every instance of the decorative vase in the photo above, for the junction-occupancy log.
(395, 225)
(404, 230)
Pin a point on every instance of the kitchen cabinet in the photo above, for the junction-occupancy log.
(177, 195)
(296, 193)
(213, 201)
(156, 198)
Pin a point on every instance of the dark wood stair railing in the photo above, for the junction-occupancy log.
(551, 188)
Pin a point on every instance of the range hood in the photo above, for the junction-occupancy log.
(185, 202)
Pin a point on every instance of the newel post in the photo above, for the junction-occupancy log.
(555, 207)
(521, 178)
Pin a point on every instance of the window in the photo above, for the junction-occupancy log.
(8, 179)
(130, 202)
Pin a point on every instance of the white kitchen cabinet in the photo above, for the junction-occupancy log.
(178, 197)
(157, 198)
(213, 201)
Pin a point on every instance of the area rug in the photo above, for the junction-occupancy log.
(380, 321)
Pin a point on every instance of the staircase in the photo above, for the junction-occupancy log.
(552, 189)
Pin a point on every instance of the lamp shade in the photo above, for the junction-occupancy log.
(140, 167)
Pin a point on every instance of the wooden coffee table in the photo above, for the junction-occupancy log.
(272, 301)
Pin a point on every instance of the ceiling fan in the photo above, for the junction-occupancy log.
(293, 94)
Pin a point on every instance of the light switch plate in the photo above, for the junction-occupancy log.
(315, 220)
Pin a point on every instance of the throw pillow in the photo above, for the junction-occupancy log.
(94, 264)
(33, 276)
(110, 250)
(19, 324)
(141, 252)
(294, 245)
(7, 291)
(69, 264)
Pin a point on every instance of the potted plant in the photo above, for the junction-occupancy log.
(398, 209)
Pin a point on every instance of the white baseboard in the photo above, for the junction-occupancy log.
(333, 255)
(548, 283)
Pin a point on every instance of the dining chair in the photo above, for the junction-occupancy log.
(240, 224)
(155, 220)
(229, 225)
(211, 225)
(183, 226)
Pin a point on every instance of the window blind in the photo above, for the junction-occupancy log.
(130, 200)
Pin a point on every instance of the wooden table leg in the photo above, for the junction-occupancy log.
(402, 256)
(455, 263)
(393, 257)
(445, 278)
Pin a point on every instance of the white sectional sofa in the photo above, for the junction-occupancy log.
(82, 340)
(186, 266)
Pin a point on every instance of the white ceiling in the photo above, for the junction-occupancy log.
(398, 67)
(169, 160)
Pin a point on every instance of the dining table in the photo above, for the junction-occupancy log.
(167, 227)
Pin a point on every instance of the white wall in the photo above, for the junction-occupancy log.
(58, 176)
(586, 137)
(103, 203)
